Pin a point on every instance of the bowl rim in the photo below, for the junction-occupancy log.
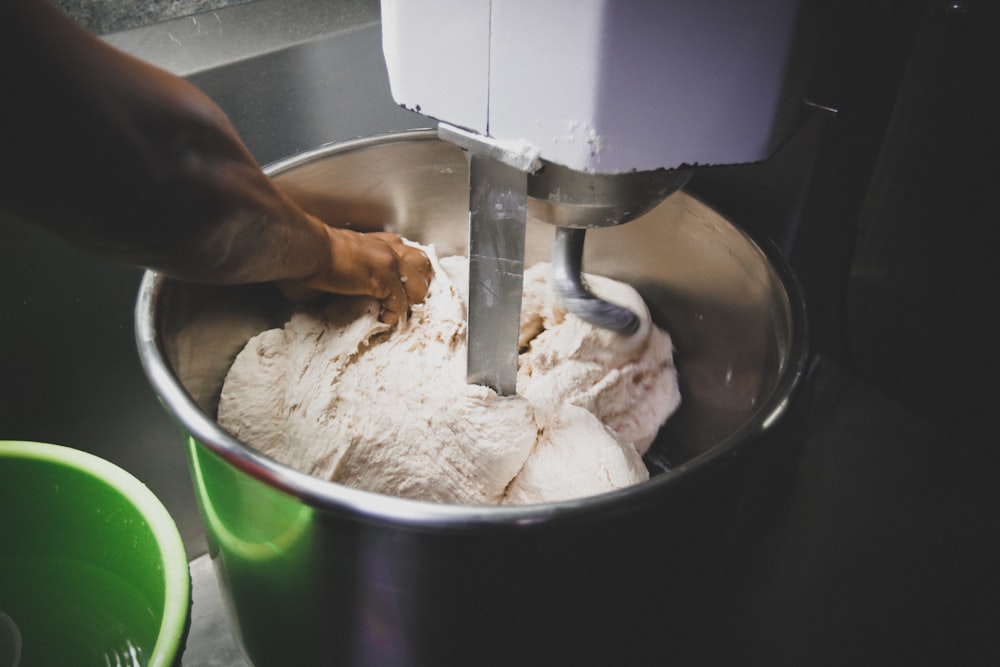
(426, 515)
(176, 575)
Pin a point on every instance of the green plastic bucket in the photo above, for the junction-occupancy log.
(92, 568)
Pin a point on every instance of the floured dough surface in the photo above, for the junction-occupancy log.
(337, 394)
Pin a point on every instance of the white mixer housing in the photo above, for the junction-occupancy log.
(602, 86)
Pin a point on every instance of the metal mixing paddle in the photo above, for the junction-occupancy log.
(567, 273)
(498, 194)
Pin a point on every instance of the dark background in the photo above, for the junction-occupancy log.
(883, 546)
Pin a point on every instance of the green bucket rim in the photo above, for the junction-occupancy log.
(176, 575)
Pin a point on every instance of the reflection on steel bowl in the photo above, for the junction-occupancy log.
(318, 573)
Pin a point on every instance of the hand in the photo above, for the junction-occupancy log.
(376, 264)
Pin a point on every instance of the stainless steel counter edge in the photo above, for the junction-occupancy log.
(208, 40)
(291, 74)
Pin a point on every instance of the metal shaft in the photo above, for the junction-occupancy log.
(497, 213)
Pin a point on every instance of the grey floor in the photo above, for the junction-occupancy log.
(210, 642)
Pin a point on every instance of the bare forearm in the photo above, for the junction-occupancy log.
(136, 164)
(253, 233)
(121, 158)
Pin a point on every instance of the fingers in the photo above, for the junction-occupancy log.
(415, 269)
(405, 282)
(376, 264)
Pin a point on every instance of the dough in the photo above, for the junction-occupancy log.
(337, 394)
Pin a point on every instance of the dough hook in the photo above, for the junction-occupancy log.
(567, 267)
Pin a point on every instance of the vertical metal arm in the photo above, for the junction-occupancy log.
(498, 210)
(497, 215)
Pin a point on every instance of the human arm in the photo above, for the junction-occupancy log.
(135, 164)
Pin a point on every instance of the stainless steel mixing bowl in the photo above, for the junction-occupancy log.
(315, 573)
